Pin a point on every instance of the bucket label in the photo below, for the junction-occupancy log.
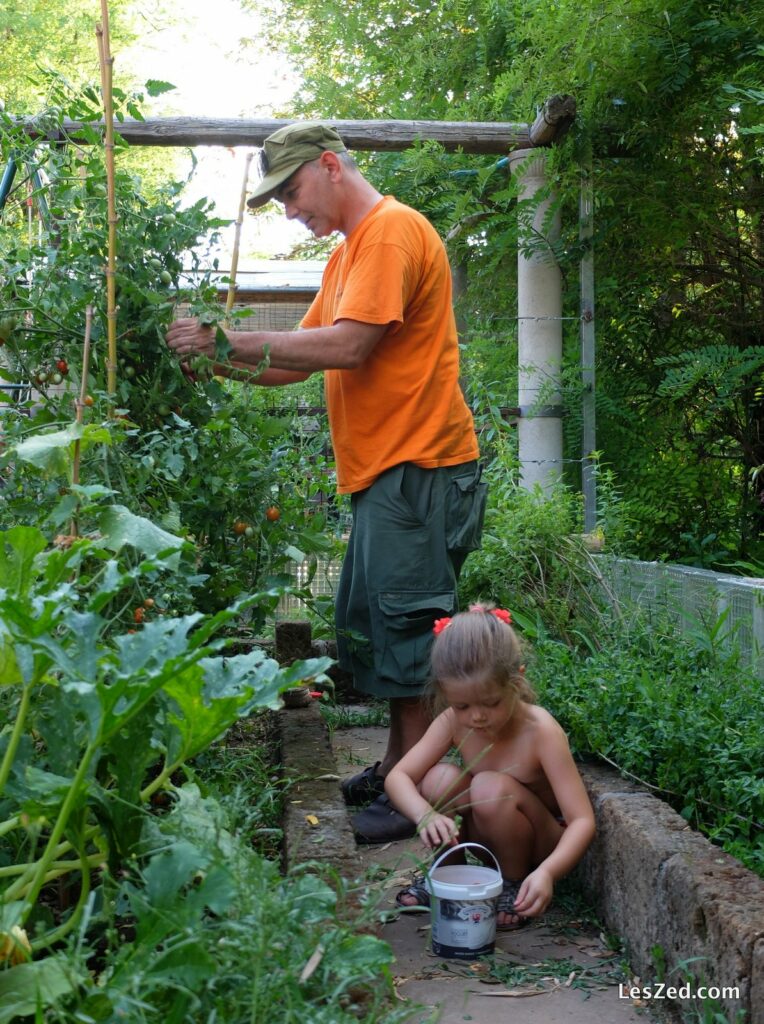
(463, 929)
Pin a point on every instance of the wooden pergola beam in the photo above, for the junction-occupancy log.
(487, 137)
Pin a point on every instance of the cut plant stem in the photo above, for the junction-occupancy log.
(236, 243)
(80, 411)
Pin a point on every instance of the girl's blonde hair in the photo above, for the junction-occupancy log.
(478, 645)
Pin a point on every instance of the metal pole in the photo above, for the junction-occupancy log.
(588, 350)
(539, 331)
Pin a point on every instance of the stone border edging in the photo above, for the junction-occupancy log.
(308, 763)
(656, 882)
(652, 880)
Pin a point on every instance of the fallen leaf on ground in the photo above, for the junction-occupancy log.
(314, 960)
(520, 993)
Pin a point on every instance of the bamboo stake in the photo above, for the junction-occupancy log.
(80, 404)
(107, 66)
(237, 242)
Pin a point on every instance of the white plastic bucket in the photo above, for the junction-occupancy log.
(463, 906)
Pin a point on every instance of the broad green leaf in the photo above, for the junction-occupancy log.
(51, 452)
(120, 527)
(27, 987)
(42, 793)
(9, 669)
(19, 547)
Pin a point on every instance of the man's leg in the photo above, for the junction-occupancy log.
(409, 719)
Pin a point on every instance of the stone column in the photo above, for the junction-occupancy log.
(539, 311)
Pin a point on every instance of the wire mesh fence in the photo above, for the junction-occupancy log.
(725, 609)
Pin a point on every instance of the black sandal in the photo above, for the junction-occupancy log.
(419, 892)
(505, 904)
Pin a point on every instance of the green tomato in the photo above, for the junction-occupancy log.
(56, 378)
(129, 371)
(165, 277)
(7, 327)
(169, 219)
(163, 409)
(156, 264)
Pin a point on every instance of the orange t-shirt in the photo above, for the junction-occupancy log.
(404, 403)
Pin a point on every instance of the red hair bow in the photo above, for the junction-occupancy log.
(500, 613)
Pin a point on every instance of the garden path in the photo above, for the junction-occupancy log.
(554, 971)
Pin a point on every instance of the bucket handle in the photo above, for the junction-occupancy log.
(462, 846)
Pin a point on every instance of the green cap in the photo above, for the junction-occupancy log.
(286, 150)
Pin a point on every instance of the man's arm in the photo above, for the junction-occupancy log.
(344, 345)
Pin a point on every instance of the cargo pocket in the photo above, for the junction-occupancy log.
(405, 620)
(465, 512)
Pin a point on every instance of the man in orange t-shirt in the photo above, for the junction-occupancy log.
(382, 331)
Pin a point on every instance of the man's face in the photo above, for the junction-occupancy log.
(307, 196)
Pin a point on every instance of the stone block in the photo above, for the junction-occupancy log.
(757, 983)
(316, 822)
(710, 910)
(656, 883)
(293, 641)
(636, 835)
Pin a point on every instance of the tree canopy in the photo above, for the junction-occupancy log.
(670, 108)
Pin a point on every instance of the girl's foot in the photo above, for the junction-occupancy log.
(506, 918)
(414, 896)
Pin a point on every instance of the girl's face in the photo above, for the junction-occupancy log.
(480, 707)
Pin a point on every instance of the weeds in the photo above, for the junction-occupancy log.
(556, 973)
(344, 716)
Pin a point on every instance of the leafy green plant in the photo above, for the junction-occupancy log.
(684, 719)
(534, 561)
(201, 927)
(91, 710)
(204, 459)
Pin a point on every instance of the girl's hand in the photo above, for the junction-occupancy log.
(437, 830)
(535, 893)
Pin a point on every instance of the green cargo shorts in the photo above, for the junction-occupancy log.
(412, 530)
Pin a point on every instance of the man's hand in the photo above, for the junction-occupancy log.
(189, 338)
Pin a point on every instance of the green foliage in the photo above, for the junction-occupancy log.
(92, 709)
(535, 562)
(201, 927)
(205, 459)
(680, 716)
(669, 100)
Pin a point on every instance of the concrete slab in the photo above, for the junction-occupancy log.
(555, 971)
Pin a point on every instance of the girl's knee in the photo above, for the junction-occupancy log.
(442, 781)
(490, 791)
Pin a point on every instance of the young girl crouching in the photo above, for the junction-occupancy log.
(516, 790)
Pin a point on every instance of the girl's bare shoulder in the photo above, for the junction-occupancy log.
(539, 718)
